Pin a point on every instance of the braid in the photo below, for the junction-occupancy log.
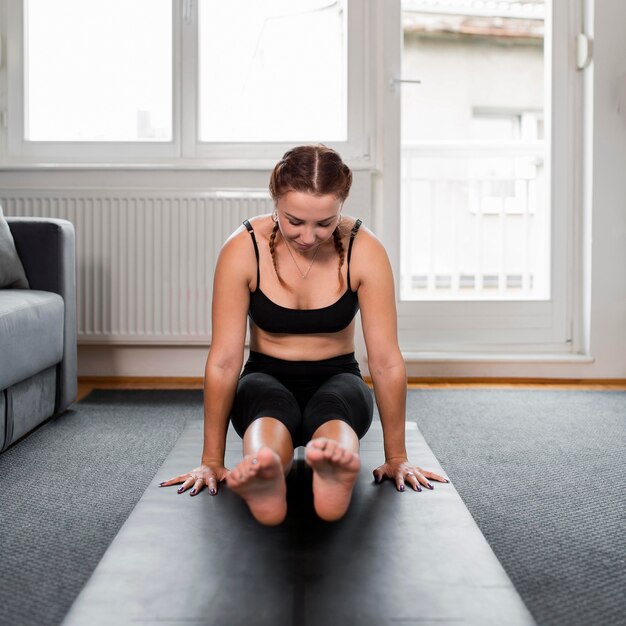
(273, 253)
(341, 252)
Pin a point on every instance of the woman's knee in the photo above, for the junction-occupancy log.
(260, 396)
(344, 397)
(266, 427)
(340, 431)
(272, 433)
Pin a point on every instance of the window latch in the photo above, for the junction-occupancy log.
(394, 82)
(186, 11)
(583, 51)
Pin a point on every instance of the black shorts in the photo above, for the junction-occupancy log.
(303, 395)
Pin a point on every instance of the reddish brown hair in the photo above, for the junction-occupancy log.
(314, 169)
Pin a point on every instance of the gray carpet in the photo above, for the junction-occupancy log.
(544, 475)
(68, 487)
(542, 472)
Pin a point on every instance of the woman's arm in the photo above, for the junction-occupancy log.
(377, 300)
(231, 296)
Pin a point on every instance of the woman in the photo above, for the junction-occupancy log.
(300, 275)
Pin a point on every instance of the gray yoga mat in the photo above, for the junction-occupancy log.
(395, 558)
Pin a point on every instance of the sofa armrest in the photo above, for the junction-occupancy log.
(47, 249)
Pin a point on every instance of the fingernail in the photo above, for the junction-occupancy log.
(401, 487)
(418, 488)
(161, 484)
(254, 461)
(192, 492)
(430, 486)
(180, 490)
(212, 491)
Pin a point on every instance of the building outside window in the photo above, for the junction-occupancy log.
(475, 216)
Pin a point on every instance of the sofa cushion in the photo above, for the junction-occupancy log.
(31, 333)
(11, 269)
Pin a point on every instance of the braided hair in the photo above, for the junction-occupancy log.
(274, 259)
(314, 169)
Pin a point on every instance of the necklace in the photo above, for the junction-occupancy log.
(293, 258)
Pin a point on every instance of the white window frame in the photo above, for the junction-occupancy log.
(482, 328)
(185, 150)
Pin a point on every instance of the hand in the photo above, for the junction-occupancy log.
(402, 471)
(209, 475)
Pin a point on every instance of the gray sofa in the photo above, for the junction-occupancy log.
(38, 328)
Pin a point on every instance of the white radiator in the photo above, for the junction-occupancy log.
(145, 259)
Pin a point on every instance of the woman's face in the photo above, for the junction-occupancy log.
(306, 220)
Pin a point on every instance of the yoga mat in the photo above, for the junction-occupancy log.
(395, 558)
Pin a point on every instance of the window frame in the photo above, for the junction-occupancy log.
(185, 150)
(498, 326)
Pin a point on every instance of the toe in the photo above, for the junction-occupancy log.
(313, 455)
(264, 456)
(319, 443)
(337, 455)
(346, 459)
(329, 450)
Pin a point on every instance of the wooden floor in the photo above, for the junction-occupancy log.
(86, 385)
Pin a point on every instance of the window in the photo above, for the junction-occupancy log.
(473, 186)
(286, 75)
(94, 72)
(482, 241)
(175, 81)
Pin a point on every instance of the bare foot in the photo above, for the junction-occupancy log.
(259, 479)
(335, 471)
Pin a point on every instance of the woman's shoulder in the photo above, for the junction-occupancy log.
(241, 237)
(368, 256)
(355, 228)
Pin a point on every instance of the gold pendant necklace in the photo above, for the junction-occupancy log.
(305, 274)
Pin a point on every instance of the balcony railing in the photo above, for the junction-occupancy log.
(475, 222)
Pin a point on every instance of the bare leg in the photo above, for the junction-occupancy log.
(333, 454)
(260, 478)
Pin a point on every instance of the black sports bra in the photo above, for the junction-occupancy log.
(274, 318)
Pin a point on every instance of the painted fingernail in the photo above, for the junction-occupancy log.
(418, 488)
(401, 487)
(192, 492)
(212, 491)
(430, 486)
(161, 484)
(180, 490)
